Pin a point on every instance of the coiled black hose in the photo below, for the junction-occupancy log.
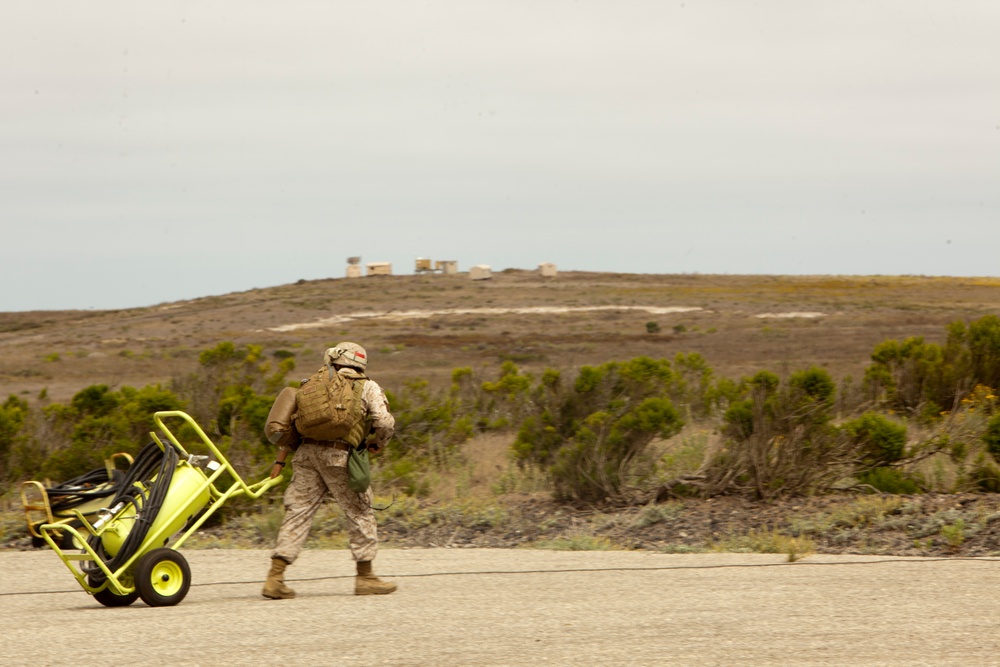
(145, 487)
(91, 485)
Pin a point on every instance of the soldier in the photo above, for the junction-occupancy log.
(321, 466)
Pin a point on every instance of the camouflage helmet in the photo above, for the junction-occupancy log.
(347, 354)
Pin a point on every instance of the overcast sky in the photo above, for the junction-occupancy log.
(154, 152)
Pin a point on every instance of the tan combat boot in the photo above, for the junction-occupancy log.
(275, 587)
(367, 583)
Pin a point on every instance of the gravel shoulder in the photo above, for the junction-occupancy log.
(930, 525)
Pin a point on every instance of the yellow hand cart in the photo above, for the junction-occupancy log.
(130, 550)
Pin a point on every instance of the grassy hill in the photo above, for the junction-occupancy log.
(425, 325)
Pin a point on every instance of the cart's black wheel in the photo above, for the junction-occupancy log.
(162, 577)
(110, 599)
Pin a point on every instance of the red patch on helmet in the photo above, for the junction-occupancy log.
(358, 354)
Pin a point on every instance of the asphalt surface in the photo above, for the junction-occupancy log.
(520, 607)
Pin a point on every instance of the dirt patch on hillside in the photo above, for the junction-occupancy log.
(401, 315)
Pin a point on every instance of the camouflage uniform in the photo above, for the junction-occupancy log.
(321, 473)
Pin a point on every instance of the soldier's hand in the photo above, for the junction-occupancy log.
(276, 470)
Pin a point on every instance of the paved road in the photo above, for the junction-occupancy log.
(521, 607)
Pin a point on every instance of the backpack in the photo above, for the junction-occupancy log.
(329, 407)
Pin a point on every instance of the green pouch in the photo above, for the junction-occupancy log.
(359, 474)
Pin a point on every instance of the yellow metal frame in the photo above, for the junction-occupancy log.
(37, 511)
(121, 581)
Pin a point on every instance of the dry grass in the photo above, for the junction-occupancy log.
(766, 542)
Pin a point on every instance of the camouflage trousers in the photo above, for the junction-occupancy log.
(321, 473)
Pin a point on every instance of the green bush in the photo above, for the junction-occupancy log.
(912, 374)
(992, 436)
(430, 426)
(739, 420)
(222, 368)
(594, 465)
(96, 400)
(880, 441)
(779, 439)
(985, 475)
(139, 405)
(982, 339)
(903, 373)
(511, 384)
(815, 386)
(889, 480)
(693, 385)
(591, 437)
(241, 407)
(13, 413)
(539, 439)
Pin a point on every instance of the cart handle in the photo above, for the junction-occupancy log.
(253, 490)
